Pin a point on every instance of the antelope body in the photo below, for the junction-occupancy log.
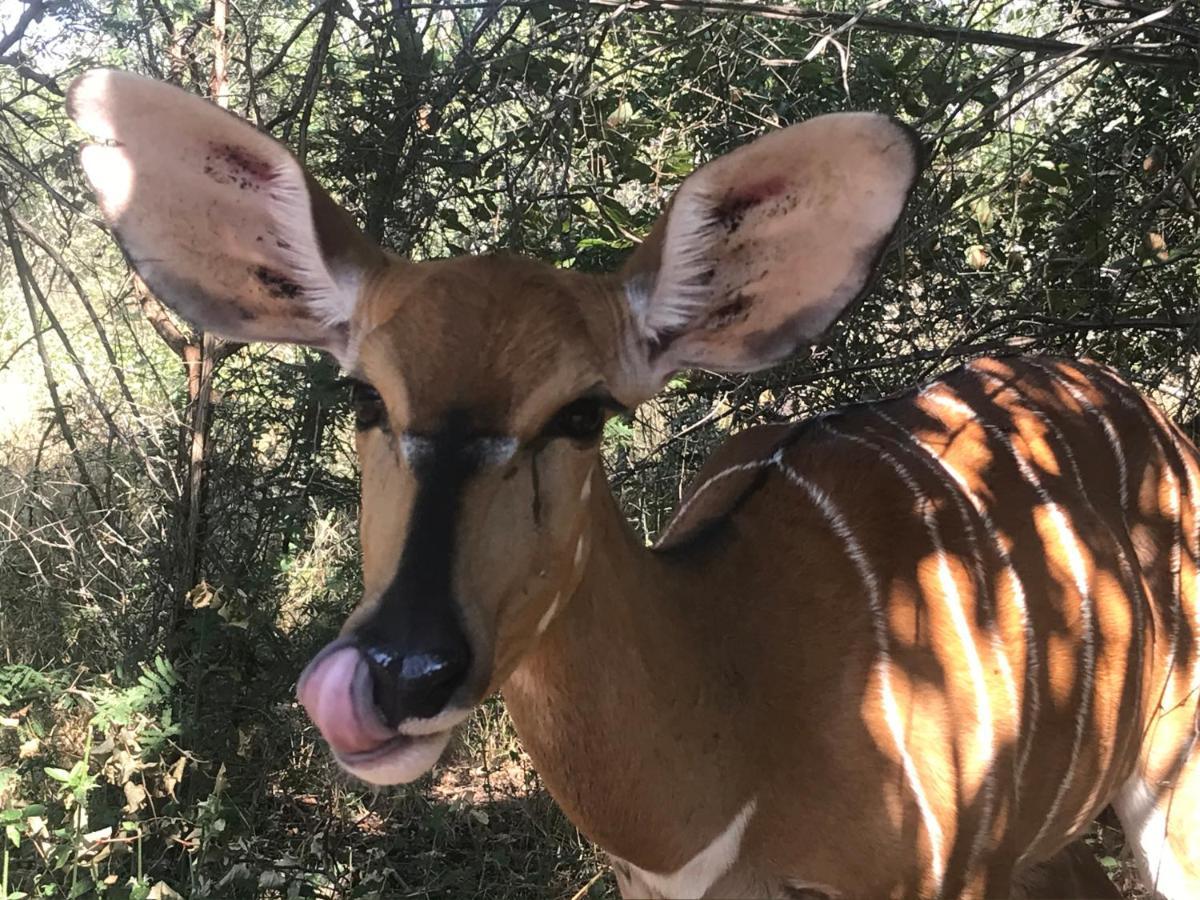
(910, 648)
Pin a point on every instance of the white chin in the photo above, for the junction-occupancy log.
(404, 758)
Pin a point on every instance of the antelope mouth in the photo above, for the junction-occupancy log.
(337, 692)
(400, 759)
(396, 744)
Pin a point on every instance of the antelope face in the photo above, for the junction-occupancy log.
(477, 460)
(484, 382)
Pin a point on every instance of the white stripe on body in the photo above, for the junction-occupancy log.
(841, 529)
(1110, 433)
(1192, 473)
(1075, 562)
(1151, 417)
(1137, 601)
(953, 602)
(1025, 737)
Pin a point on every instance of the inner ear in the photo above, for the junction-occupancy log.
(761, 250)
(219, 219)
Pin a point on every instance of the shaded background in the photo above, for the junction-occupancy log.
(177, 514)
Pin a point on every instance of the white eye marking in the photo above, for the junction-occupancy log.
(416, 450)
(494, 451)
(544, 622)
(579, 551)
(586, 491)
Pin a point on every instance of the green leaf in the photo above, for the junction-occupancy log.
(636, 170)
(1049, 176)
(58, 774)
(678, 383)
(166, 670)
(680, 161)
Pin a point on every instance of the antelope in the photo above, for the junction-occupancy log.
(907, 648)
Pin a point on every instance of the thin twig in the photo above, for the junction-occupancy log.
(944, 33)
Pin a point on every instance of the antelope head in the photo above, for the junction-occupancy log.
(484, 383)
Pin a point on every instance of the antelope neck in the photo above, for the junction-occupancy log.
(629, 708)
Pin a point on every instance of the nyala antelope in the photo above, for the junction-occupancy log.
(908, 648)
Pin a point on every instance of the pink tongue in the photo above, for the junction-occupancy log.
(336, 691)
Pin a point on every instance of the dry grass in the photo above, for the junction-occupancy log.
(248, 804)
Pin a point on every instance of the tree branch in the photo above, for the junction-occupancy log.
(26, 71)
(24, 276)
(945, 33)
(281, 54)
(117, 370)
(156, 315)
(33, 12)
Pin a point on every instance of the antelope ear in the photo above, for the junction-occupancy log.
(220, 220)
(762, 249)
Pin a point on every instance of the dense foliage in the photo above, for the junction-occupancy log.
(177, 514)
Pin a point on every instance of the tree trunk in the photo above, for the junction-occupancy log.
(201, 356)
(201, 360)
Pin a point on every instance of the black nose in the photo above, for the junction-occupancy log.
(416, 684)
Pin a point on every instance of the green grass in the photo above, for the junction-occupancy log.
(205, 779)
(105, 794)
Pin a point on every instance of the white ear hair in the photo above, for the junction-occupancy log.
(218, 218)
(763, 248)
(685, 293)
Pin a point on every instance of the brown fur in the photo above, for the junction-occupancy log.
(781, 690)
(809, 636)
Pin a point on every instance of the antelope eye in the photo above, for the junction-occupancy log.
(369, 411)
(580, 420)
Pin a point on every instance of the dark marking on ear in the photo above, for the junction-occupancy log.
(240, 158)
(778, 342)
(277, 284)
(732, 210)
(215, 174)
(735, 309)
(660, 343)
(784, 205)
